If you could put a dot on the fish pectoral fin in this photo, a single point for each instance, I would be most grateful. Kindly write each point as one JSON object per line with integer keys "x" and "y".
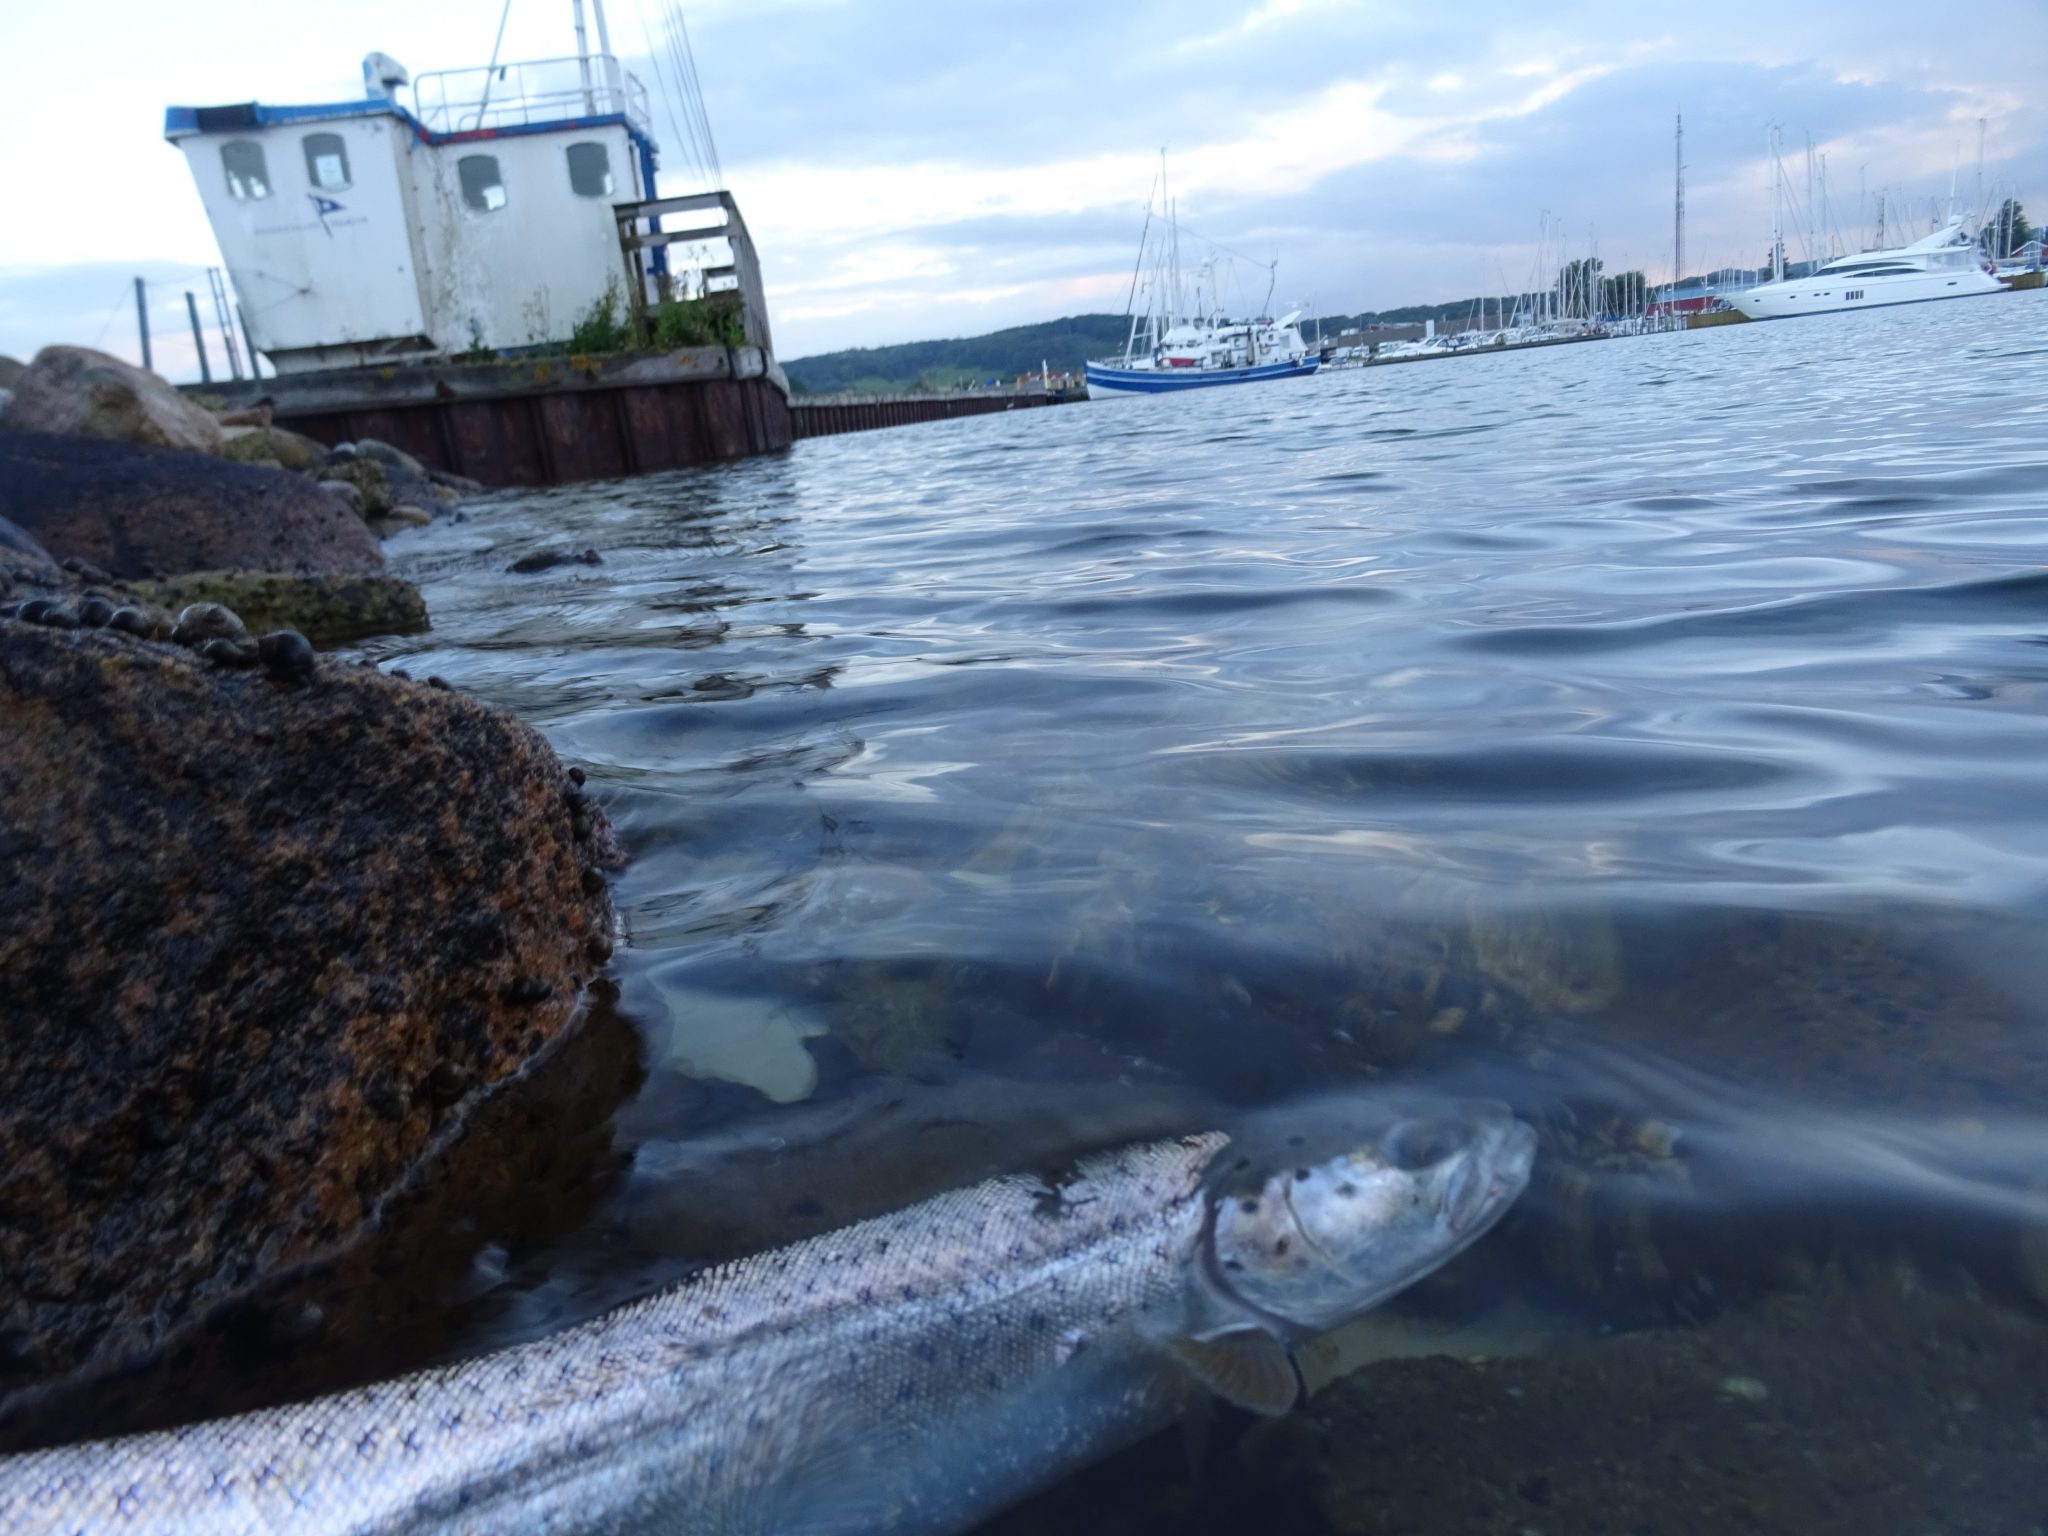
{"x": 1246, "y": 1366}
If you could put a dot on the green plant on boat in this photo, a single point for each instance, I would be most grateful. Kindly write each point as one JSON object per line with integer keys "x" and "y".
{"x": 476, "y": 351}
{"x": 605, "y": 326}
{"x": 705, "y": 322}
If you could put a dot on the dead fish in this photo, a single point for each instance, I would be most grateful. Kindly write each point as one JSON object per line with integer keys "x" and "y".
{"x": 913, "y": 1373}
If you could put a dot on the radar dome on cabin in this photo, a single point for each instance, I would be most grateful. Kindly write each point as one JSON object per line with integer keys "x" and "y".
{"x": 466, "y": 209}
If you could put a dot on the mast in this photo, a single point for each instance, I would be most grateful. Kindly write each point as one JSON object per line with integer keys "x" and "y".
{"x": 1172, "y": 246}
{"x": 1827, "y": 214}
{"x": 1980, "y": 171}
{"x": 1678, "y": 212}
{"x": 583, "y": 58}
{"x": 613, "y": 84}
{"x": 1812, "y": 208}
{"x": 1777, "y": 209}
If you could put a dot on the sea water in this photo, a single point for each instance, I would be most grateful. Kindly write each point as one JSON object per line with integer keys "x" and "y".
{"x": 1653, "y": 733}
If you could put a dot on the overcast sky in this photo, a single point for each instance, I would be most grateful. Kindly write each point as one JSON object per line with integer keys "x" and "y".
{"x": 915, "y": 169}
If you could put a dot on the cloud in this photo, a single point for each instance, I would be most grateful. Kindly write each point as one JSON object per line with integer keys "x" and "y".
{"x": 1440, "y": 206}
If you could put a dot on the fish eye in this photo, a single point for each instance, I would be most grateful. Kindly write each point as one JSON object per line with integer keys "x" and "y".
{"x": 1423, "y": 1144}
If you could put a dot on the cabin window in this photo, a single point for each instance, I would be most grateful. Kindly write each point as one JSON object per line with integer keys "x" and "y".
{"x": 482, "y": 187}
{"x": 590, "y": 170}
{"x": 248, "y": 176}
{"x": 326, "y": 162}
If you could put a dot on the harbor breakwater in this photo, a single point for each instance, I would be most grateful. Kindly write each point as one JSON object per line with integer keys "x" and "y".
{"x": 556, "y": 419}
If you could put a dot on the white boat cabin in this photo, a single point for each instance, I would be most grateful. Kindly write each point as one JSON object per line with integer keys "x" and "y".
{"x": 467, "y": 210}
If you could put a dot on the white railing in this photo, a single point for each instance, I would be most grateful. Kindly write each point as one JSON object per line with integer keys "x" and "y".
{"x": 530, "y": 91}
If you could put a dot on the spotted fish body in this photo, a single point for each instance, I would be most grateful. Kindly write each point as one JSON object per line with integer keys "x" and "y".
{"x": 909, "y": 1374}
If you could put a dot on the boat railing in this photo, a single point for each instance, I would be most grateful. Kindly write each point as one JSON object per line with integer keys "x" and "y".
{"x": 704, "y": 251}
{"x": 529, "y": 91}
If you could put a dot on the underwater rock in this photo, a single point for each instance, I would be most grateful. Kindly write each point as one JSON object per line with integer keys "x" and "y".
{"x": 150, "y": 512}
{"x": 254, "y": 923}
{"x": 548, "y": 559}
{"x": 327, "y": 610}
{"x": 76, "y": 390}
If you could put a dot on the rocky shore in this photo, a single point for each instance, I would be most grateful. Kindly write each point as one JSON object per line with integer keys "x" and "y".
{"x": 272, "y": 925}
{"x": 122, "y": 480}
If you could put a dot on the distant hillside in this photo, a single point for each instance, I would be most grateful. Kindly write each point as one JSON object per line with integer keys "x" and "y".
{"x": 1063, "y": 345}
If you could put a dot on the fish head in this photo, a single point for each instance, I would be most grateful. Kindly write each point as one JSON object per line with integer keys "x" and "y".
{"x": 1319, "y": 1211}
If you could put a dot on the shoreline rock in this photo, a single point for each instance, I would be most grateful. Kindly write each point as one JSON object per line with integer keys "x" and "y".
{"x": 76, "y": 390}
{"x": 146, "y": 512}
{"x": 271, "y": 927}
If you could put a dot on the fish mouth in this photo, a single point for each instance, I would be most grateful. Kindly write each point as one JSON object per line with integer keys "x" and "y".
{"x": 1487, "y": 1183}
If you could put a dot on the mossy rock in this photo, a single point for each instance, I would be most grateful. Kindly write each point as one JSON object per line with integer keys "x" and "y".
{"x": 272, "y": 445}
{"x": 327, "y": 610}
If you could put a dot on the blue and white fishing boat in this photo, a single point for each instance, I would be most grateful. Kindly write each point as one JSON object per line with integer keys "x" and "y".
{"x": 1217, "y": 352}
{"x": 1167, "y": 353}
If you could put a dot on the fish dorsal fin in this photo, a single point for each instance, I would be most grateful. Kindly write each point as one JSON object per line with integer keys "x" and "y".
{"x": 1246, "y": 1366}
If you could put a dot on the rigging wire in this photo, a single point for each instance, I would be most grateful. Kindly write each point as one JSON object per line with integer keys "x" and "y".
{"x": 697, "y": 91}
{"x": 695, "y": 87}
{"x": 1130, "y": 300}
{"x": 677, "y": 71}
{"x": 669, "y": 91}
{"x": 127, "y": 298}
{"x": 675, "y": 64}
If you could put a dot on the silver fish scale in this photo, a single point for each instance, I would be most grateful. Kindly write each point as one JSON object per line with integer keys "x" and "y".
{"x": 906, "y": 1374}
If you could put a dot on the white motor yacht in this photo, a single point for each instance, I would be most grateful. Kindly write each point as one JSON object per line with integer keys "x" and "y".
{"x": 1944, "y": 265}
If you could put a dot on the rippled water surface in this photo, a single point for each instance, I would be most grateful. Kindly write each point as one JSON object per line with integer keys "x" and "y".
{"x": 1651, "y": 733}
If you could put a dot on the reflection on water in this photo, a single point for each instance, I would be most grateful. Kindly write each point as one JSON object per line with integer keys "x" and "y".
{"x": 1647, "y": 733}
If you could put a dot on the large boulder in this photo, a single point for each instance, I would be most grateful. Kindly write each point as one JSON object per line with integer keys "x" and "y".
{"x": 137, "y": 511}
{"x": 268, "y": 932}
{"x": 78, "y": 390}
{"x": 11, "y": 369}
